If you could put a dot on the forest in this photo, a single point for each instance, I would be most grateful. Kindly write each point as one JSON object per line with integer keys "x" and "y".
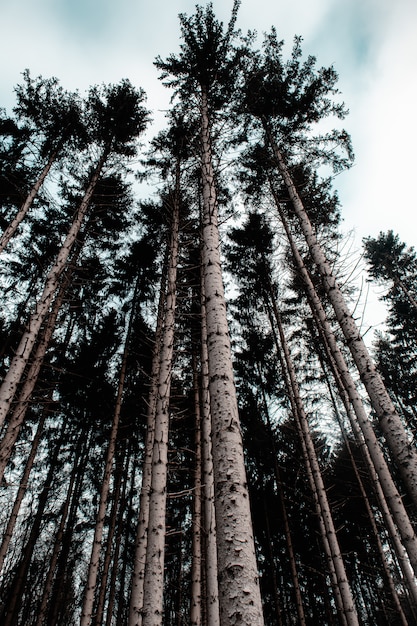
{"x": 194, "y": 430}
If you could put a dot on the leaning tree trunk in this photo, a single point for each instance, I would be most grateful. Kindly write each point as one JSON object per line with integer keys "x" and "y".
{"x": 11, "y": 524}
{"x": 21, "y": 214}
{"x": 399, "y": 442}
{"x": 379, "y": 463}
{"x": 239, "y": 593}
{"x": 21, "y": 405}
{"x": 343, "y": 594}
{"x": 385, "y": 567}
{"x": 23, "y": 351}
{"x": 18, "y": 587}
{"x": 155, "y": 550}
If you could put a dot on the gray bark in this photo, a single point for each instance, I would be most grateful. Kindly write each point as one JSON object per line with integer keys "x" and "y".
{"x": 378, "y": 463}
{"x": 155, "y": 549}
{"x": 23, "y": 351}
{"x": 21, "y": 214}
{"x": 209, "y": 514}
{"x": 239, "y": 594}
{"x": 398, "y": 439}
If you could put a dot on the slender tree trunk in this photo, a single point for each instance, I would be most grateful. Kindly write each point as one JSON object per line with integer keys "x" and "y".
{"x": 385, "y": 567}
{"x": 11, "y": 524}
{"x": 12, "y": 227}
{"x": 136, "y": 599}
{"x": 57, "y": 598}
{"x": 287, "y": 529}
{"x": 209, "y": 514}
{"x": 379, "y": 463}
{"x": 399, "y": 549}
{"x": 11, "y": 609}
{"x": 19, "y": 362}
{"x": 195, "y": 612}
{"x": 19, "y": 412}
{"x": 87, "y": 611}
{"x": 397, "y": 438}
{"x": 47, "y": 592}
{"x": 239, "y": 593}
{"x": 399, "y": 283}
{"x": 98, "y": 618}
{"x": 155, "y": 550}
{"x": 343, "y": 594}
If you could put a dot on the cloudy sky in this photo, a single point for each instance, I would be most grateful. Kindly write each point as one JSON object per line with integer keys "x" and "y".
{"x": 371, "y": 43}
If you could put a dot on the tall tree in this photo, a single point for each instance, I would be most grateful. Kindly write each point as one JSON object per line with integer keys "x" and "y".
{"x": 206, "y": 69}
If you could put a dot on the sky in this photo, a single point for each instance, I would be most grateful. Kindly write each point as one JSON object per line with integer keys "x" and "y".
{"x": 371, "y": 43}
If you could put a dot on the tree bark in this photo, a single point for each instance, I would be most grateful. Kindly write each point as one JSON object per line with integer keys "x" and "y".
{"x": 11, "y": 524}
{"x": 19, "y": 362}
{"x": 343, "y": 594}
{"x": 239, "y": 593}
{"x": 21, "y": 214}
{"x": 87, "y": 610}
{"x": 209, "y": 513}
{"x": 195, "y": 611}
{"x": 379, "y": 463}
{"x": 136, "y": 598}
{"x": 397, "y": 438}
{"x": 19, "y": 412}
{"x": 155, "y": 550}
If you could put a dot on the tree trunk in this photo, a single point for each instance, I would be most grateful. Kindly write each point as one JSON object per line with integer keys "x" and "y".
{"x": 12, "y": 227}
{"x": 136, "y": 598}
{"x": 87, "y": 611}
{"x": 12, "y": 607}
{"x": 19, "y": 412}
{"x": 209, "y": 514}
{"x": 397, "y": 438}
{"x": 11, "y": 524}
{"x": 47, "y": 592}
{"x": 98, "y": 618}
{"x": 239, "y": 594}
{"x": 379, "y": 464}
{"x": 343, "y": 594}
{"x": 195, "y": 612}
{"x": 19, "y": 362}
{"x": 155, "y": 550}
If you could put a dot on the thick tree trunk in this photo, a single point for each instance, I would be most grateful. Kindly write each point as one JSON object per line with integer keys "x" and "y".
{"x": 19, "y": 217}
{"x": 397, "y": 438}
{"x": 23, "y": 351}
{"x": 239, "y": 594}
{"x": 379, "y": 463}
{"x": 155, "y": 550}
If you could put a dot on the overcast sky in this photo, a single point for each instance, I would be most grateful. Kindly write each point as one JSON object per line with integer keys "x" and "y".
{"x": 371, "y": 43}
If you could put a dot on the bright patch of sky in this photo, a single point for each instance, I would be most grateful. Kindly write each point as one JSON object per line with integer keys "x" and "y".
{"x": 371, "y": 43}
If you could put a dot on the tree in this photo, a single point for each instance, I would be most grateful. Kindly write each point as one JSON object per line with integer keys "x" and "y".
{"x": 206, "y": 68}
